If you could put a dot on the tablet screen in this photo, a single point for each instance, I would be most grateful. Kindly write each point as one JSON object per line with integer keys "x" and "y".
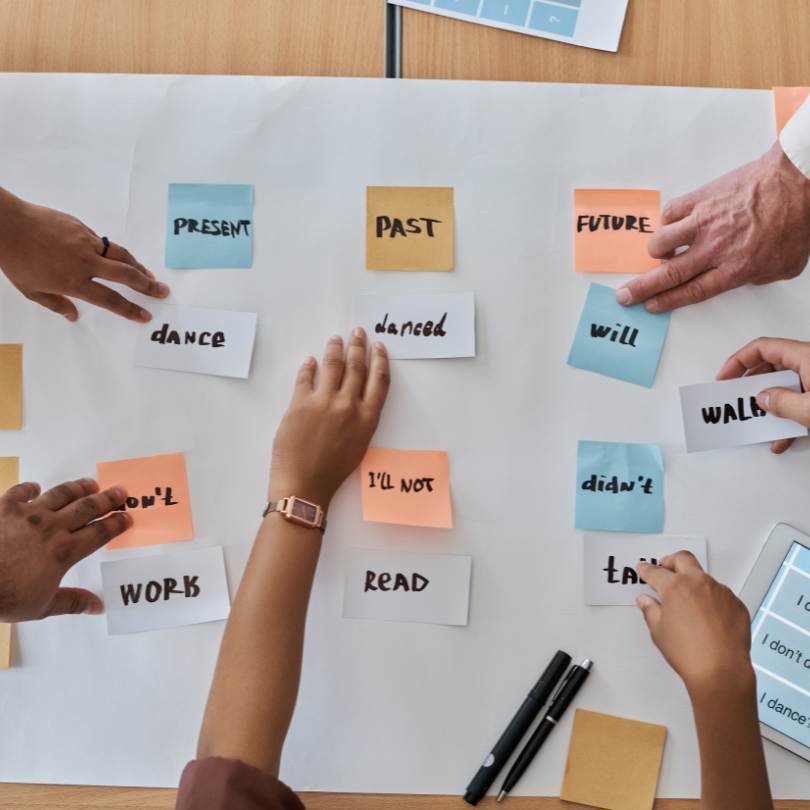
{"x": 780, "y": 648}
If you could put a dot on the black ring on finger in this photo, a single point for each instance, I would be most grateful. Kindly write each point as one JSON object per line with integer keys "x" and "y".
{"x": 106, "y": 245}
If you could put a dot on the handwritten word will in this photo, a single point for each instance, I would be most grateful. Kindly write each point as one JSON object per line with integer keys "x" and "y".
{"x": 627, "y": 338}
{"x": 382, "y": 480}
{"x": 601, "y": 483}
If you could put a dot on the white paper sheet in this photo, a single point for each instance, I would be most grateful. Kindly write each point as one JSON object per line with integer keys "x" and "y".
{"x": 726, "y": 414}
{"x": 423, "y": 326}
{"x": 610, "y": 561}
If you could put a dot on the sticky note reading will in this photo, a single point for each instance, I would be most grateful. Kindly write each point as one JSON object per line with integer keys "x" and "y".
{"x": 9, "y": 472}
{"x": 409, "y": 228}
{"x": 402, "y": 587}
{"x": 613, "y": 762}
{"x": 11, "y": 386}
{"x": 786, "y": 101}
{"x": 165, "y": 590}
{"x": 409, "y": 487}
{"x": 209, "y": 225}
{"x": 612, "y": 227}
{"x": 204, "y": 341}
{"x": 620, "y": 487}
{"x": 420, "y": 326}
{"x": 726, "y": 414}
{"x": 620, "y": 342}
{"x": 611, "y": 559}
{"x": 157, "y": 498}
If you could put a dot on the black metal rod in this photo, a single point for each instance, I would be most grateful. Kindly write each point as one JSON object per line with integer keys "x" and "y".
{"x": 393, "y": 41}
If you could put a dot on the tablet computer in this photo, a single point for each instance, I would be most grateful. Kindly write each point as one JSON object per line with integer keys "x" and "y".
{"x": 777, "y": 594}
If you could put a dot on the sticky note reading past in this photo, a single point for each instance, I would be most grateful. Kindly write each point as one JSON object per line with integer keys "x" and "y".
{"x": 209, "y": 225}
{"x": 613, "y": 762}
{"x": 620, "y": 342}
{"x": 409, "y": 487}
{"x": 786, "y": 101}
{"x": 620, "y": 487}
{"x": 157, "y": 498}
{"x": 11, "y": 386}
{"x": 612, "y": 227}
{"x": 9, "y": 472}
{"x": 409, "y": 228}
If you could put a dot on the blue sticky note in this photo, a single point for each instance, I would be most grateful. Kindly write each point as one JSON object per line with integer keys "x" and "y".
{"x": 461, "y": 6}
{"x": 209, "y": 225}
{"x": 617, "y": 341}
{"x": 513, "y": 12}
{"x": 554, "y": 19}
{"x": 620, "y": 487}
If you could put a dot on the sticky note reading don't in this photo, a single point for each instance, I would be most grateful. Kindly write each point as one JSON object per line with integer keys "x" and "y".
{"x": 209, "y": 225}
{"x": 612, "y": 227}
{"x": 409, "y": 487}
{"x": 157, "y": 498}
{"x": 11, "y": 386}
{"x": 786, "y": 101}
{"x": 409, "y": 228}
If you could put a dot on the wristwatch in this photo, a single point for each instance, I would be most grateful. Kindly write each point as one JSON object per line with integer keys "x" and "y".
{"x": 299, "y": 511}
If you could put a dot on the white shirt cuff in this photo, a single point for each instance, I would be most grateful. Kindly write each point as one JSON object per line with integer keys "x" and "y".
{"x": 795, "y": 139}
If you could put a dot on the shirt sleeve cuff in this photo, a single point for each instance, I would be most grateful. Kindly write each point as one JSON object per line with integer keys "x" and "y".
{"x": 795, "y": 139}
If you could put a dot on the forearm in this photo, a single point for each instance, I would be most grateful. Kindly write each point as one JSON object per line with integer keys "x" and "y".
{"x": 9, "y": 205}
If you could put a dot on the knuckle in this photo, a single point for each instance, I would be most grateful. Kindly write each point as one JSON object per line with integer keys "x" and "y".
{"x": 75, "y": 605}
{"x": 333, "y": 361}
{"x": 695, "y": 291}
{"x": 672, "y": 273}
{"x": 356, "y": 364}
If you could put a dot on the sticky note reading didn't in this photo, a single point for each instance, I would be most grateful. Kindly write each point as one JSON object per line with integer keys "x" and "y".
{"x": 786, "y": 101}
{"x": 157, "y": 498}
{"x": 613, "y": 763}
{"x": 409, "y": 228}
{"x": 612, "y": 227}
{"x": 11, "y": 386}
{"x": 408, "y": 487}
{"x": 9, "y": 472}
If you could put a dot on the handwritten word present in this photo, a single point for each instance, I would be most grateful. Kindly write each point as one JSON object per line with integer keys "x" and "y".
{"x": 212, "y": 227}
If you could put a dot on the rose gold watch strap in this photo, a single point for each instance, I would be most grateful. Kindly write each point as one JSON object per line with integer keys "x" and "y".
{"x": 281, "y": 504}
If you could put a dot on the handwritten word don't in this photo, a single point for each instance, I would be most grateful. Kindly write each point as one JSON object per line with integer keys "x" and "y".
{"x": 613, "y": 485}
{"x": 383, "y": 480}
{"x": 145, "y": 501}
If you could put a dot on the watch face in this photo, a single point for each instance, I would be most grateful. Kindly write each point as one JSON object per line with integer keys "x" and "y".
{"x": 305, "y": 511}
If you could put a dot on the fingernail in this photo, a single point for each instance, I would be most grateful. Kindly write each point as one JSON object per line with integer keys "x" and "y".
{"x": 94, "y": 608}
{"x": 71, "y": 316}
{"x": 118, "y": 494}
{"x": 641, "y": 600}
{"x": 358, "y": 332}
{"x": 380, "y": 347}
{"x": 336, "y": 339}
{"x": 163, "y": 289}
{"x": 652, "y": 305}
{"x": 87, "y": 482}
{"x": 624, "y": 296}
{"x": 145, "y": 316}
{"x": 763, "y": 400}
{"x": 309, "y": 361}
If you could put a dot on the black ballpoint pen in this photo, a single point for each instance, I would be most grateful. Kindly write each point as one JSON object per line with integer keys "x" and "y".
{"x": 559, "y": 703}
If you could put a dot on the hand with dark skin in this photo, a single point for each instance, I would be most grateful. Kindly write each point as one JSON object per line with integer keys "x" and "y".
{"x": 51, "y": 257}
{"x": 43, "y": 535}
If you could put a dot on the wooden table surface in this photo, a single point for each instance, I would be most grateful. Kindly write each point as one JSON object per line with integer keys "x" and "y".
{"x": 723, "y": 43}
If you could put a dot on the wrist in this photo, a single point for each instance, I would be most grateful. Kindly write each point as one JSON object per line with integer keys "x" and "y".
{"x": 789, "y": 171}
{"x": 307, "y": 491}
{"x": 734, "y": 682}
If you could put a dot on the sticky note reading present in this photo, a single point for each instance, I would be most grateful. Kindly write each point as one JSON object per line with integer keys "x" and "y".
{"x": 11, "y": 381}
{"x": 612, "y": 227}
{"x": 209, "y": 225}
{"x": 620, "y": 487}
{"x": 786, "y": 101}
{"x": 409, "y": 487}
{"x": 9, "y": 472}
{"x": 157, "y": 498}
{"x": 613, "y": 763}
{"x": 409, "y": 228}
{"x": 620, "y": 342}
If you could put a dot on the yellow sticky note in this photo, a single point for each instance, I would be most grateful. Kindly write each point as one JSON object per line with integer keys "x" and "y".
{"x": 9, "y": 472}
{"x": 409, "y": 487}
{"x": 786, "y": 100}
{"x": 157, "y": 498}
{"x": 612, "y": 227}
{"x": 613, "y": 763}
{"x": 409, "y": 228}
{"x": 5, "y": 645}
{"x": 11, "y": 378}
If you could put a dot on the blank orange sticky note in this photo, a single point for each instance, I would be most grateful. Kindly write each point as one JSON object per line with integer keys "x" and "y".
{"x": 157, "y": 498}
{"x": 409, "y": 487}
{"x": 11, "y": 382}
{"x": 612, "y": 227}
{"x": 786, "y": 100}
{"x": 9, "y": 472}
{"x": 5, "y": 645}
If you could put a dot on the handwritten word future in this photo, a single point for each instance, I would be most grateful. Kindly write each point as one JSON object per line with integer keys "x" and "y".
{"x": 609, "y": 222}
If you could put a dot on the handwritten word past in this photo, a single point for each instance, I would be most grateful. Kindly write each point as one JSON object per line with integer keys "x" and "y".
{"x": 395, "y": 227}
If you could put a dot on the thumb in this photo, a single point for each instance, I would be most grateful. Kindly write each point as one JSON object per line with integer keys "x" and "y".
{"x": 651, "y": 609}
{"x": 73, "y": 600}
{"x": 785, "y": 403}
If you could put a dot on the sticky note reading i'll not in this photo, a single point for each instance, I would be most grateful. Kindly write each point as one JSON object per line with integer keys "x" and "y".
{"x": 209, "y": 225}
{"x": 408, "y": 487}
{"x": 620, "y": 342}
{"x": 786, "y": 101}
{"x": 11, "y": 386}
{"x": 612, "y": 227}
{"x": 620, "y": 487}
{"x": 409, "y": 228}
{"x": 157, "y": 498}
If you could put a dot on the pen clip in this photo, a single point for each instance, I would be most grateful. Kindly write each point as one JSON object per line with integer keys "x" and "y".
{"x": 561, "y": 686}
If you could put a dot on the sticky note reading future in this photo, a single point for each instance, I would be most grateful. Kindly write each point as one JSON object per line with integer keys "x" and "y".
{"x": 11, "y": 386}
{"x": 401, "y": 587}
{"x": 620, "y": 487}
{"x": 409, "y": 228}
{"x": 157, "y": 498}
{"x": 726, "y": 414}
{"x": 9, "y": 472}
{"x": 620, "y": 342}
{"x": 204, "y": 341}
{"x": 209, "y": 225}
{"x": 165, "y": 590}
{"x": 610, "y": 564}
{"x": 612, "y": 227}
{"x": 409, "y": 487}
{"x": 420, "y": 326}
{"x": 613, "y": 762}
{"x": 786, "y": 101}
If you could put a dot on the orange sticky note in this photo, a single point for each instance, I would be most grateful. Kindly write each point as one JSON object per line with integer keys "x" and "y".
{"x": 409, "y": 487}
{"x": 157, "y": 498}
{"x": 9, "y": 472}
{"x": 11, "y": 379}
{"x": 5, "y": 645}
{"x": 612, "y": 227}
{"x": 786, "y": 100}
{"x": 409, "y": 228}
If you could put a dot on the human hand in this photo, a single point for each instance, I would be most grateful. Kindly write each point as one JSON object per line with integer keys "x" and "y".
{"x": 42, "y": 536}
{"x": 747, "y": 227}
{"x": 51, "y": 257}
{"x": 764, "y": 355}
{"x": 327, "y": 428}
